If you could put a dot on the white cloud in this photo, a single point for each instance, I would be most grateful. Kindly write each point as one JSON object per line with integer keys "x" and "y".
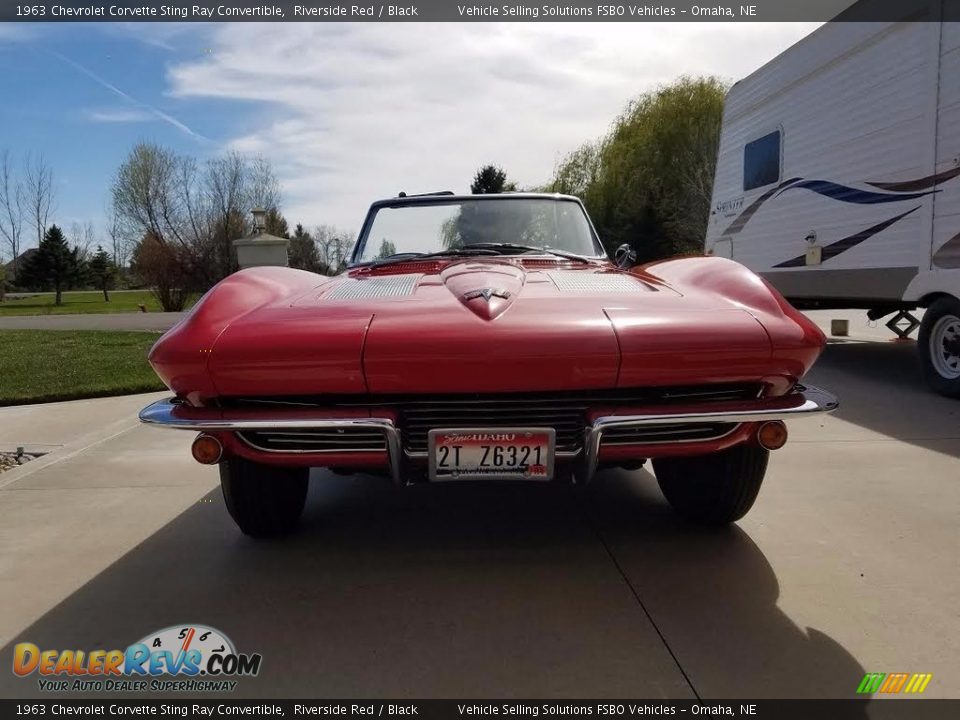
{"x": 358, "y": 112}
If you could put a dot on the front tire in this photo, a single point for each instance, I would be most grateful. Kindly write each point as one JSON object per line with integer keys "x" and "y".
{"x": 939, "y": 346}
{"x": 713, "y": 489}
{"x": 264, "y": 500}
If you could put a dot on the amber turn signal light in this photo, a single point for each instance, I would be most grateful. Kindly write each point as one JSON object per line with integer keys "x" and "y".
{"x": 772, "y": 435}
{"x": 206, "y": 449}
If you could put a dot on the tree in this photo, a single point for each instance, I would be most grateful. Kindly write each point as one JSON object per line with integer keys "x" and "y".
{"x": 333, "y": 246}
{"x": 304, "y": 253}
{"x": 54, "y": 265}
{"x": 197, "y": 210}
{"x": 276, "y": 224}
{"x": 11, "y": 207}
{"x": 84, "y": 236}
{"x": 38, "y": 193}
{"x": 159, "y": 266}
{"x": 491, "y": 179}
{"x": 3, "y": 279}
{"x": 102, "y": 271}
{"x": 578, "y": 171}
{"x": 387, "y": 249}
{"x": 118, "y": 237}
{"x": 648, "y": 181}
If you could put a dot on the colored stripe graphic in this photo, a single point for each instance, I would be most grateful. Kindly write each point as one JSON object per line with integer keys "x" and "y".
{"x": 893, "y": 683}
{"x": 918, "y": 682}
{"x": 744, "y": 217}
{"x": 835, "y": 191}
{"x": 919, "y": 184}
{"x": 844, "y": 244}
{"x": 871, "y": 683}
{"x": 903, "y": 190}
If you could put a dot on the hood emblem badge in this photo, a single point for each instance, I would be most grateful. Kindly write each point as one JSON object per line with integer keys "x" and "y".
{"x": 486, "y": 294}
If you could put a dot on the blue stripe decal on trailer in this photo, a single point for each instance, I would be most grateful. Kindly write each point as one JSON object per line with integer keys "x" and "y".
{"x": 835, "y": 248}
{"x": 744, "y": 217}
{"x": 835, "y": 191}
{"x": 903, "y": 190}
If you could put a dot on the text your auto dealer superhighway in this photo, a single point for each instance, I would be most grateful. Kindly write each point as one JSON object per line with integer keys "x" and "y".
{"x": 163, "y": 11}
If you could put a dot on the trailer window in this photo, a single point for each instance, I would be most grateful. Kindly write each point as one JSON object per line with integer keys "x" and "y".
{"x": 761, "y": 161}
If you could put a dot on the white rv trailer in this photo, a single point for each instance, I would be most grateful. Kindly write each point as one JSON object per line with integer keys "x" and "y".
{"x": 838, "y": 174}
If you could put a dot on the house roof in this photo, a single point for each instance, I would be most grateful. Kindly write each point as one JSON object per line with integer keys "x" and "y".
{"x": 20, "y": 259}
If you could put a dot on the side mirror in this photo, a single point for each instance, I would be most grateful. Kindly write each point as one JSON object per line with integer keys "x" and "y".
{"x": 625, "y": 256}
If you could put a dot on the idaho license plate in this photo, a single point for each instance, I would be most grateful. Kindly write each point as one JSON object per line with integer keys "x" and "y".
{"x": 491, "y": 454}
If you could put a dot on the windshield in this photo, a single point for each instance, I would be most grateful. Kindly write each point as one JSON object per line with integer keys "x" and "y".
{"x": 419, "y": 228}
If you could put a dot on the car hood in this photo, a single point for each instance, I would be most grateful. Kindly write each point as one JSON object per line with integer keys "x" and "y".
{"x": 488, "y": 325}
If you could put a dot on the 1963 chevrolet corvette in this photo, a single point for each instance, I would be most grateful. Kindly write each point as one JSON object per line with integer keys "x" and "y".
{"x": 488, "y": 338}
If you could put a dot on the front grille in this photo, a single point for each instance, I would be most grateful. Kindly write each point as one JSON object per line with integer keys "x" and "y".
{"x": 316, "y": 440}
{"x": 565, "y": 412}
{"x": 566, "y": 418}
{"x": 665, "y": 433}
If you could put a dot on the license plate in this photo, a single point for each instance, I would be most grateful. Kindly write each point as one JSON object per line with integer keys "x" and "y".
{"x": 491, "y": 454}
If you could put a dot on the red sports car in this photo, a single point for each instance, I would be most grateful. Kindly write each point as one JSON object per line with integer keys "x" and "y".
{"x": 488, "y": 337}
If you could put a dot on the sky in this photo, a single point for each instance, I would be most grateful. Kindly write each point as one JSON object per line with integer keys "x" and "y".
{"x": 346, "y": 113}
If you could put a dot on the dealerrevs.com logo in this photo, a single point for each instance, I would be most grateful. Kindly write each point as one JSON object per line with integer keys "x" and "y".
{"x": 181, "y": 658}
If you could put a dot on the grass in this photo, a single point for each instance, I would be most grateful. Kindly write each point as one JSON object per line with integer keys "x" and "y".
{"x": 50, "y": 365}
{"x": 84, "y": 302}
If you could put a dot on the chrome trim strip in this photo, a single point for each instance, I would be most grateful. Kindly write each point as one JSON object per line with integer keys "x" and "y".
{"x": 804, "y": 401}
{"x": 621, "y": 443}
{"x": 317, "y": 451}
{"x": 174, "y": 415}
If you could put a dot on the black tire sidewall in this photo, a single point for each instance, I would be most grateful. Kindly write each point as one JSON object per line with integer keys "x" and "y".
{"x": 263, "y": 500}
{"x": 713, "y": 489}
{"x": 938, "y": 309}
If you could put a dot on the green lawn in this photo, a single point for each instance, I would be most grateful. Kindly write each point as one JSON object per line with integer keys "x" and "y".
{"x": 80, "y": 303}
{"x": 48, "y": 365}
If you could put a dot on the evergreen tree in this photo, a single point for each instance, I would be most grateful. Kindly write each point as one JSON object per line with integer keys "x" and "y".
{"x": 387, "y": 249}
{"x": 102, "y": 271}
{"x": 491, "y": 179}
{"x": 276, "y": 224}
{"x": 303, "y": 252}
{"x": 54, "y": 265}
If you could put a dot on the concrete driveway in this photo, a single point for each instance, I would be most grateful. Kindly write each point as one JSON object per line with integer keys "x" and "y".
{"x": 846, "y": 564}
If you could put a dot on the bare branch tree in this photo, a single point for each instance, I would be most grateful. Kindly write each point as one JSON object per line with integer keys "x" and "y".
{"x": 196, "y": 211}
{"x": 226, "y": 182}
{"x": 38, "y": 192}
{"x": 11, "y": 207}
{"x": 264, "y": 188}
{"x": 118, "y": 236}
{"x": 84, "y": 237}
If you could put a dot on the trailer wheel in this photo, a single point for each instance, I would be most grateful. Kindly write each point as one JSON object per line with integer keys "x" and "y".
{"x": 939, "y": 346}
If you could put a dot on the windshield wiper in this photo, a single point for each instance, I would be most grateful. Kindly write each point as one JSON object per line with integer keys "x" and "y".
{"x": 531, "y": 248}
{"x": 402, "y": 257}
{"x": 490, "y": 248}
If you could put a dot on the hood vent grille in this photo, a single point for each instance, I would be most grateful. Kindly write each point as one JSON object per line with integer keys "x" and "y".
{"x": 378, "y": 287}
{"x": 596, "y": 282}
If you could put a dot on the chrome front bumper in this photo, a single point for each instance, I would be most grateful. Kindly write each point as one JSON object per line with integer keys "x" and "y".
{"x": 804, "y": 401}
